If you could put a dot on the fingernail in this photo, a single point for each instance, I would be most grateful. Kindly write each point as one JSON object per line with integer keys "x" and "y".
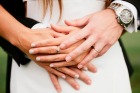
{"x": 85, "y": 68}
{"x": 58, "y": 90}
{"x": 31, "y": 51}
{"x": 76, "y": 76}
{"x": 33, "y": 45}
{"x": 62, "y": 46}
{"x": 94, "y": 70}
{"x": 80, "y": 66}
{"x": 64, "y": 77}
{"x": 89, "y": 82}
{"x": 68, "y": 58}
{"x": 77, "y": 87}
{"x": 37, "y": 59}
{"x": 51, "y": 65}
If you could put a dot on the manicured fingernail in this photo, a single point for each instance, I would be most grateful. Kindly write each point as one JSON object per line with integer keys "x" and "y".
{"x": 31, "y": 51}
{"x": 85, "y": 68}
{"x": 77, "y": 87}
{"x": 62, "y": 46}
{"x": 80, "y": 66}
{"x": 51, "y": 65}
{"x": 64, "y": 77}
{"x": 33, "y": 45}
{"x": 76, "y": 76}
{"x": 38, "y": 59}
{"x": 89, "y": 82}
{"x": 68, "y": 58}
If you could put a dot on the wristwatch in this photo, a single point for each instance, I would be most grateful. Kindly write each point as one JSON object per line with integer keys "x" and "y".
{"x": 123, "y": 14}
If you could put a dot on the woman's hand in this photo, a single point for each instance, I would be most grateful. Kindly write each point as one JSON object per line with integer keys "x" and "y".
{"x": 82, "y": 76}
{"x": 101, "y": 30}
{"x": 63, "y": 72}
{"x": 42, "y": 46}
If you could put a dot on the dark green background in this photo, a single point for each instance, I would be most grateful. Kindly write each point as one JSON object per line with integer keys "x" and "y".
{"x": 132, "y": 44}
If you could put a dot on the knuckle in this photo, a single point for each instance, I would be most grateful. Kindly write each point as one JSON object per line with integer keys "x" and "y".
{"x": 100, "y": 54}
{"x": 84, "y": 48}
{"x": 77, "y": 38}
{"x": 51, "y": 50}
{"x": 57, "y": 58}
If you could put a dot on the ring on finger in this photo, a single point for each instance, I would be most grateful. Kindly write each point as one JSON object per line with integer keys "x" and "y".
{"x": 58, "y": 50}
{"x": 95, "y": 49}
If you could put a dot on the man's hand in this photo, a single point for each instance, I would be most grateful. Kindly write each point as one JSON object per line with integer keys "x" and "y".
{"x": 100, "y": 31}
{"x": 43, "y": 47}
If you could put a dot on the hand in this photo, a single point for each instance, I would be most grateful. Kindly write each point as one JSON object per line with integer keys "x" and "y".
{"x": 41, "y": 47}
{"x": 101, "y": 30}
{"x": 38, "y": 35}
{"x": 70, "y": 80}
{"x": 32, "y": 36}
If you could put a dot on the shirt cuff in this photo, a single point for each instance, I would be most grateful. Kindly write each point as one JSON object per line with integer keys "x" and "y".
{"x": 133, "y": 26}
{"x": 40, "y": 25}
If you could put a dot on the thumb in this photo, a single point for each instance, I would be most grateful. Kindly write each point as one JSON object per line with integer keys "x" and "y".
{"x": 61, "y": 29}
{"x": 57, "y": 34}
{"x": 78, "y": 22}
{"x": 48, "y": 42}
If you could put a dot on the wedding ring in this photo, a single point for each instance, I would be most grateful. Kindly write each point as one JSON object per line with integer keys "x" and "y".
{"x": 95, "y": 49}
{"x": 58, "y": 50}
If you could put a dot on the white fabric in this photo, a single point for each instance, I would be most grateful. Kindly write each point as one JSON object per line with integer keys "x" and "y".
{"x": 112, "y": 75}
{"x": 40, "y": 25}
{"x": 133, "y": 27}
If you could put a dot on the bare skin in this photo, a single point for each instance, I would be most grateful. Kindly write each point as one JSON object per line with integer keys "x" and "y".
{"x": 101, "y": 30}
{"x": 24, "y": 34}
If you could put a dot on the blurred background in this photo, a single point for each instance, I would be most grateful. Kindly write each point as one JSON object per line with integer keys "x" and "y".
{"x": 132, "y": 45}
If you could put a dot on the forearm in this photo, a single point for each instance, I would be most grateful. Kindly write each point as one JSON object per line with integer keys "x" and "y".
{"x": 10, "y": 28}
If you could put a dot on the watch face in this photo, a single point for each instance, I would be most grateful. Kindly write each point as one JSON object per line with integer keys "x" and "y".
{"x": 126, "y": 16}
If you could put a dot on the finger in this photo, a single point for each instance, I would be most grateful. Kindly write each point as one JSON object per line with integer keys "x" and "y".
{"x": 45, "y": 50}
{"x": 73, "y": 39}
{"x": 63, "y": 64}
{"x": 101, "y": 44}
{"x": 47, "y": 42}
{"x": 72, "y": 82}
{"x": 55, "y": 82}
{"x": 77, "y": 22}
{"x": 85, "y": 68}
{"x": 55, "y": 72}
{"x": 91, "y": 67}
{"x": 51, "y": 58}
{"x": 82, "y": 76}
{"x": 56, "y": 34}
{"x": 68, "y": 71}
{"x": 61, "y": 29}
{"x": 85, "y": 46}
{"x": 104, "y": 50}
{"x": 88, "y": 58}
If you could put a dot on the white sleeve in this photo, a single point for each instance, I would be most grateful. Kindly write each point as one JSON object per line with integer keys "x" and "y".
{"x": 133, "y": 27}
{"x": 24, "y": 0}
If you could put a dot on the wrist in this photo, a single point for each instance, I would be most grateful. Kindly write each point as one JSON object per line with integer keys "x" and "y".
{"x": 124, "y": 15}
{"x": 20, "y": 38}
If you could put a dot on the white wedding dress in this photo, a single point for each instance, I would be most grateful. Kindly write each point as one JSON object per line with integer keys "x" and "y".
{"x": 112, "y": 75}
